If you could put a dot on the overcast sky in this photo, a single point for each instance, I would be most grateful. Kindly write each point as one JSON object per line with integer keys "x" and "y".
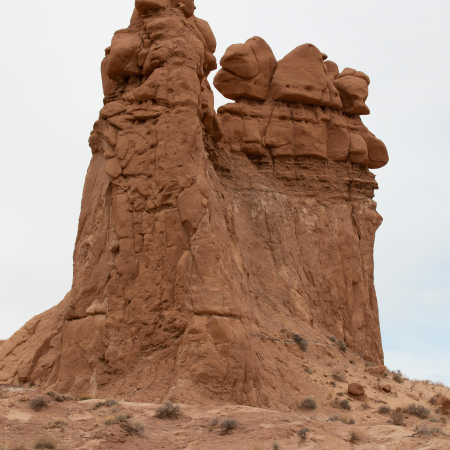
{"x": 51, "y": 94}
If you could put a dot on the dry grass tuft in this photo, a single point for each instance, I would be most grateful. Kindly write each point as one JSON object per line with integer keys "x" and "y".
{"x": 339, "y": 376}
{"x": 309, "y": 403}
{"x": 168, "y": 411}
{"x": 384, "y": 410}
{"x": 355, "y": 436}
{"x": 418, "y": 410}
{"x": 397, "y": 418}
{"x": 342, "y": 346}
{"x": 45, "y": 442}
{"x": 229, "y": 425}
{"x": 303, "y": 433}
{"x": 302, "y": 343}
{"x": 38, "y": 404}
{"x": 57, "y": 423}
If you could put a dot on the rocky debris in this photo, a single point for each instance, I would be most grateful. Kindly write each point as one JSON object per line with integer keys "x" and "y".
{"x": 387, "y": 388}
{"x": 206, "y": 240}
{"x": 446, "y": 406}
{"x": 376, "y": 370}
{"x": 356, "y": 389}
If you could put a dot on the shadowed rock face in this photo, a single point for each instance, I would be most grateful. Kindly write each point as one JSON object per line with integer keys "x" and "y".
{"x": 205, "y": 241}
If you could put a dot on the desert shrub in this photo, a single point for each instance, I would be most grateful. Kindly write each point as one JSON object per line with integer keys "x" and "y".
{"x": 433, "y": 400}
{"x": 397, "y": 377}
{"x": 384, "y": 410}
{"x": 333, "y": 383}
{"x": 116, "y": 418}
{"x": 45, "y": 443}
{"x": 331, "y": 338}
{"x": 385, "y": 374}
{"x": 57, "y": 423}
{"x": 341, "y": 394}
{"x": 365, "y": 406}
{"x": 338, "y": 376}
{"x": 138, "y": 428}
{"x": 276, "y": 446}
{"x": 424, "y": 430}
{"x": 84, "y": 397}
{"x": 302, "y": 343}
{"x": 168, "y": 411}
{"x": 38, "y": 404}
{"x": 434, "y": 419}
{"x": 418, "y": 410}
{"x": 339, "y": 418}
{"x": 397, "y": 418}
{"x": 213, "y": 424}
{"x": 308, "y": 371}
{"x": 303, "y": 433}
{"x": 341, "y": 345}
{"x": 309, "y": 403}
{"x": 107, "y": 403}
{"x": 345, "y": 404}
{"x": 227, "y": 426}
{"x": 355, "y": 436}
{"x": 58, "y": 398}
{"x": 111, "y": 402}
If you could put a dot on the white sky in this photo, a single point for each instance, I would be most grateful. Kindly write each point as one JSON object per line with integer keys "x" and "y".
{"x": 51, "y": 94}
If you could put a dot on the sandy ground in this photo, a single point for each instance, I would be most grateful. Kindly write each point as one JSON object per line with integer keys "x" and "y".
{"x": 259, "y": 429}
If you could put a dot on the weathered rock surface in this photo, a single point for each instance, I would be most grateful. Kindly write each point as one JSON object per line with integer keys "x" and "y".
{"x": 446, "y": 406}
{"x": 356, "y": 389}
{"x": 205, "y": 241}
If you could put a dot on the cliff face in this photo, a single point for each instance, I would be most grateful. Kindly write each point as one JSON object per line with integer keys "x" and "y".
{"x": 206, "y": 241}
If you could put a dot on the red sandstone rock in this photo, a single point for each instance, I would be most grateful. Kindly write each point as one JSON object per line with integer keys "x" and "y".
{"x": 191, "y": 247}
{"x": 240, "y": 60}
{"x": 446, "y": 406}
{"x": 387, "y": 388}
{"x": 356, "y": 389}
{"x": 256, "y": 88}
{"x": 143, "y": 6}
{"x": 353, "y": 88}
{"x": 375, "y": 370}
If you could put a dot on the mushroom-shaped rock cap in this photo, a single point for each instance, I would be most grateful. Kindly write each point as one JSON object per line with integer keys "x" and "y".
{"x": 240, "y": 60}
{"x": 300, "y": 76}
{"x": 353, "y": 88}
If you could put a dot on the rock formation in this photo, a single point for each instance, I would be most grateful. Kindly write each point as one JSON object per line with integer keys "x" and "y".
{"x": 207, "y": 241}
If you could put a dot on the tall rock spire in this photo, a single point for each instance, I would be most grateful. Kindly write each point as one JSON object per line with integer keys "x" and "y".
{"x": 206, "y": 242}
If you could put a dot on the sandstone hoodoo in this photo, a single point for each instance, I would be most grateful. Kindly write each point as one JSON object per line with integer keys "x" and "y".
{"x": 207, "y": 241}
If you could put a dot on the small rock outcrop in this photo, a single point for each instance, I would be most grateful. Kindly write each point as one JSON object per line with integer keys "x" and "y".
{"x": 206, "y": 241}
{"x": 356, "y": 389}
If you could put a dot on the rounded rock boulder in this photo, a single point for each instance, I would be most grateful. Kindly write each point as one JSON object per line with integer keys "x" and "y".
{"x": 355, "y": 389}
